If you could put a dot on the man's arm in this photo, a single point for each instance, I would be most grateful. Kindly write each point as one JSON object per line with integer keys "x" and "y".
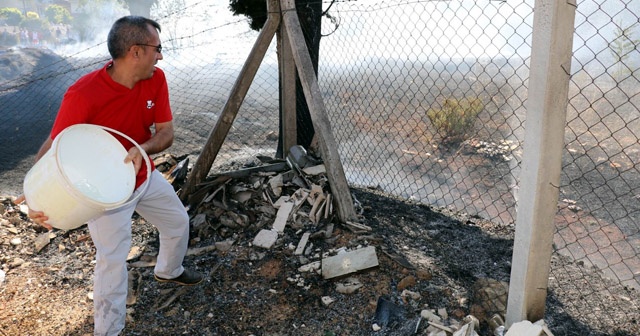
{"x": 161, "y": 140}
{"x": 44, "y": 148}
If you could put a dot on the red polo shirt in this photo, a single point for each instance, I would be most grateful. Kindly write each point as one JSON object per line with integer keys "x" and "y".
{"x": 96, "y": 99}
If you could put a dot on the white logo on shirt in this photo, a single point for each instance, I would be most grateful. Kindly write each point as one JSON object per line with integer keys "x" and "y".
{"x": 150, "y": 104}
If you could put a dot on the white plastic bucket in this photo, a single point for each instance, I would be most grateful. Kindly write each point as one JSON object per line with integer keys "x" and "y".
{"x": 81, "y": 176}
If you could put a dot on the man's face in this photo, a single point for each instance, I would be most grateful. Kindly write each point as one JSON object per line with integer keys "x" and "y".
{"x": 150, "y": 55}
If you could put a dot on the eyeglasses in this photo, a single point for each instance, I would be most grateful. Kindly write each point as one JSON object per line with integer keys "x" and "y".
{"x": 158, "y": 47}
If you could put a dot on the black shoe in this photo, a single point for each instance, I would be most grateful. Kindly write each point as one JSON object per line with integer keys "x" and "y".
{"x": 187, "y": 278}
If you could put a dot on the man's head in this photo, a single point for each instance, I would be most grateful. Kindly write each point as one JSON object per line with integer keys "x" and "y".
{"x": 130, "y": 31}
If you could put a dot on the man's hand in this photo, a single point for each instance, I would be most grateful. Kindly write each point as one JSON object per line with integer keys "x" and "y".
{"x": 134, "y": 156}
{"x": 37, "y": 217}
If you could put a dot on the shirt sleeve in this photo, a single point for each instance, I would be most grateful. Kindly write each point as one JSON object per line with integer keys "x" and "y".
{"x": 163, "y": 112}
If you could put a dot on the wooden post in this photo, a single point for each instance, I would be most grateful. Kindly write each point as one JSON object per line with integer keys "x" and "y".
{"x": 238, "y": 92}
{"x": 553, "y": 29}
{"x": 287, "y": 69}
{"x": 313, "y": 96}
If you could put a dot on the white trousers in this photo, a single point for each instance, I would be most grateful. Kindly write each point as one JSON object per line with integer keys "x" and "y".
{"x": 111, "y": 235}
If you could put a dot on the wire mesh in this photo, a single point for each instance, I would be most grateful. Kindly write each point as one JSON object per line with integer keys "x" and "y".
{"x": 384, "y": 68}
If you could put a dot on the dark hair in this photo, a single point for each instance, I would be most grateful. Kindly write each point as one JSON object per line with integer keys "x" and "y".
{"x": 128, "y": 31}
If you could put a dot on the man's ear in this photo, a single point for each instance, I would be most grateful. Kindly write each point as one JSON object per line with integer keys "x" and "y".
{"x": 134, "y": 50}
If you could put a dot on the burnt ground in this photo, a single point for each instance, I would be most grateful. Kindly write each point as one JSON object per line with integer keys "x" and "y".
{"x": 428, "y": 260}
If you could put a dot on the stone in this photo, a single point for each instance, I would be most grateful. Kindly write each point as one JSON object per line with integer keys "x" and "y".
{"x": 348, "y": 286}
{"x": 327, "y": 300}
{"x": 41, "y": 241}
{"x": 315, "y": 170}
{"x": 225, "y": 245}
{"x": 406, "y": 282}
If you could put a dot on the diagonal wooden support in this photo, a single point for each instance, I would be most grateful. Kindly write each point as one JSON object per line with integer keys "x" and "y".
{"x": 230, "y": 111}
{"x": 292, "y": 44}
{"x": 328, "y": 145}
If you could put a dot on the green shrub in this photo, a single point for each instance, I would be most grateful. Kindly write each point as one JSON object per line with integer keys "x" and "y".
{"x": 456, "y": 118}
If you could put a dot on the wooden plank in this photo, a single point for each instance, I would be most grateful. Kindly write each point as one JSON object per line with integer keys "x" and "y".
{"x": 282, "y": 216}
{"x": 313, "y": 96}
{"x": 302, "y": 243}
{"x": 245, "y": 172}
{"x": 287, "y": 69}
{"x": 542, "y": 158}
{"x": 238, "y": 92}
{"x": 349, "y": 262}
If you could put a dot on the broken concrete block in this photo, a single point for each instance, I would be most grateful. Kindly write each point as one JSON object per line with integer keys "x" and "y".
{"x": 276, "y": 185}
{"x": 438, "y": 333}
{"x": 314, "y": 266}
{"x": 466, "y": 330}
{"x": 301, "y": 244}
{"x": 439, "y": 326}
{"x": 280, "y": 201}
{"x": 265, "y": 238}
{"x": 315, "y": 170}
{"x": 525, "y": 328}
{"x": 349, "y": 262}
{"x": 282, "y": 216}
{"x": 429, "y": 315}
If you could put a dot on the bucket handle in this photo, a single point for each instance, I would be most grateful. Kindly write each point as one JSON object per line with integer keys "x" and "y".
{"x": 145, "y": 157}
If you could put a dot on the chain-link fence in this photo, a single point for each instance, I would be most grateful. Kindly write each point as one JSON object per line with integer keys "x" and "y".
{"x": 390, "y": 74}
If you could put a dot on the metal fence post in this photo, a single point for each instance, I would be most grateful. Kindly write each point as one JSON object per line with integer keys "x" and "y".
{"x": 553, "y": 30}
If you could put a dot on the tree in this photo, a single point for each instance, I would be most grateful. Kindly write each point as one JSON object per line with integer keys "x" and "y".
{"x": 309, "y": 14}
{"x": 57, "y": 14}
{"x": 33, "y": 23}
{"x": 623, "y": 46}
{"x": 11, "y": 16}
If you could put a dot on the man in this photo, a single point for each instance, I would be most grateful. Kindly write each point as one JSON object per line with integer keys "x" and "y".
{"x": 128, "y": 94}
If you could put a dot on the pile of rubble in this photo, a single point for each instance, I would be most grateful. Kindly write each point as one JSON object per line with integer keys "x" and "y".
{"x": 288, "y": 203}
{"x": 266, "y": 197}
